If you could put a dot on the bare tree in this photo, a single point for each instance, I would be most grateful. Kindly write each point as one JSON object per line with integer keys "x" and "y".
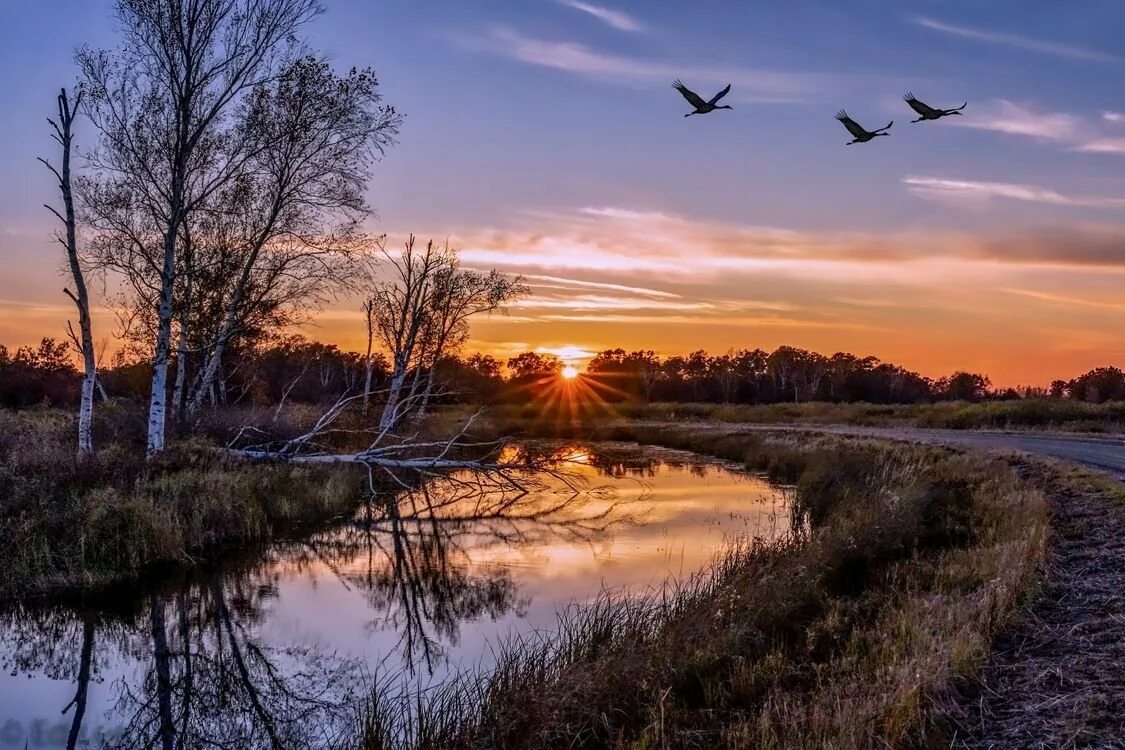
{"x": 163, "y": 104}
{"x": 422, "y": 312}
{"x": 459, "y": 295}
{"x": 298, "y": 209}
{"x": 84, "y": 341}
{"x": 401, "y": 308}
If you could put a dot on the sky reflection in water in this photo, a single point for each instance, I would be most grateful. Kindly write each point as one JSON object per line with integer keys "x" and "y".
{"x": 283, "y": 650}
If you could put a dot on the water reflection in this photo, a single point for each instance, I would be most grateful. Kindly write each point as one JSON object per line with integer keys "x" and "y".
{"x": 281, "y": 652}
{"x": 185, "y": 670}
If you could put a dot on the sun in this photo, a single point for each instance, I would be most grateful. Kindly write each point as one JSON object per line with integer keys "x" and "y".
{"x": 570, "y": 372}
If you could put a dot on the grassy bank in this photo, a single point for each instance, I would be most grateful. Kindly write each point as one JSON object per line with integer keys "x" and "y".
{"x": 78, "y": 524}
{"x": 1058, "y": 414}
{"x": 852, "y": 632}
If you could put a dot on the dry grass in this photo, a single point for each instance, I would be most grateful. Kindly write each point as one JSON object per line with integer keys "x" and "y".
{"x": 83, "y": 524}
{"x": 1034, "y": 413}
{"x": 851, "y": 633}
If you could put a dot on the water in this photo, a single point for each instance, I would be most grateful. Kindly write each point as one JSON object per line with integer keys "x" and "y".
{"x": 282, "y": 650}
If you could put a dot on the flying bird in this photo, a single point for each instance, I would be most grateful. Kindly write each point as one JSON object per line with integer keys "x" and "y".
{"x": 927, "y": 112}
{"x": 695, "y": 100}
{"x": 861, "y": 135}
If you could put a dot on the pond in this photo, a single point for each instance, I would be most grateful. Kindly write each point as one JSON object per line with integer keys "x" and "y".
{"x": 282, "y": 650}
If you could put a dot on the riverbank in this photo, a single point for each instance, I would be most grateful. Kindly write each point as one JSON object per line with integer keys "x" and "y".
{"x": 858, "y": 630}
{"x": 88, "y": 524}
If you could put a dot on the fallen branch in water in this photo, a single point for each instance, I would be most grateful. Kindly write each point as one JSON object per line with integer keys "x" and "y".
{"x": 393, "y": 454}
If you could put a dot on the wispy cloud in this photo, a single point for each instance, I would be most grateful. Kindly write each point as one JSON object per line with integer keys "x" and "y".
{"x": 1075, "y": 132}
{"x": 690, "y": 261}
{"x": 980, "y": 192}
{"x": 617, "y": 19}
{"x": 1015, "y": 40}
{"x": 1062, "y": 299}
{"x": 579, "y": 59}
{"x": 1014, "y": 118}
{"x": 1102, "y": 146}
{"x": 567, "y": 353}
{"x": 558, "y": 282}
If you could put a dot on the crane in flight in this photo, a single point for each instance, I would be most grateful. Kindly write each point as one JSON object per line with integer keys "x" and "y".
{"x": 926, "y": 112}
{"x": 859, "y": 134}
{"x": 695, "y": 100}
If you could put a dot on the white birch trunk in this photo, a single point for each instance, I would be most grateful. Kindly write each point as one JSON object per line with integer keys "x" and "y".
{"x": 157, "y": 405}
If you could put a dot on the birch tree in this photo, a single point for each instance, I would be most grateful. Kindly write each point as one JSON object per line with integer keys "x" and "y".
{"x": 163, "y": 103}
{"x": 317, "y": 134}
{"x": 63, "y": 133}
{"x": 422, "y": 313}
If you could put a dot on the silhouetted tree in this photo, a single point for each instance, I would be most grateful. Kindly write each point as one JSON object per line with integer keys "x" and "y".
{"x": 84, "y": 340}
{"x": 964, "y": 386}
{"x": 163, "y": 103}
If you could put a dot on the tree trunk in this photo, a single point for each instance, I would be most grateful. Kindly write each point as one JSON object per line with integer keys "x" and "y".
{"x": 64, "y": 134}
{"x": 157, "y": 405}
{"x": 161, "y": 658}
{"x": 178, "y": 394}
{"x": 369, "y": 365}
{"x": 389, "y": 417}
{"x": 79, "y": 701}
{"x": 421, "y": 413}
{"x": 215, "y": 359}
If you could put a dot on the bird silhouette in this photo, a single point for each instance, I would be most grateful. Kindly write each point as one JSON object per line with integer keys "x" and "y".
{"x": 927, "y": 112}
{"x": 861, "y": 135}
{"x": 695, "y": 100}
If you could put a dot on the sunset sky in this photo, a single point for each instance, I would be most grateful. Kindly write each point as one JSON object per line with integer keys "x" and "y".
{"x": 542, "y": 137}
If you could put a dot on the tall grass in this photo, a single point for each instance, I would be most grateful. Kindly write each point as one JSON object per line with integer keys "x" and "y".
{"x": 68, "y": 523}
{"x": 1063, "y": 414}
{"x": 852, "y": 632}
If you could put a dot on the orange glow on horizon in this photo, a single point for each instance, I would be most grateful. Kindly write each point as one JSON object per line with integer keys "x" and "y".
{"x": 570, "y": 372}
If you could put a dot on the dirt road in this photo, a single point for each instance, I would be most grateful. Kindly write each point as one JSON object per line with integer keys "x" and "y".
{"x": 1106, "y": 453}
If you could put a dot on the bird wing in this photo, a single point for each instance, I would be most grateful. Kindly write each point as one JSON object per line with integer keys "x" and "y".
{"x": 920, "y": 107}
{"x": 853, "y": 127}
{"x": 693, "y": 98}
{"x": 720, "y": 95}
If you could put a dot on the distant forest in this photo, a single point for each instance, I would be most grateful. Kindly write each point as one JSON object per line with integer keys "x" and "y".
{"x": 297, "y": 370}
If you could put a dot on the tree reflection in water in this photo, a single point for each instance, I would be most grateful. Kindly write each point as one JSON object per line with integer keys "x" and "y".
{"x": 189, "y": 666}
{"x": 413, "y": 556}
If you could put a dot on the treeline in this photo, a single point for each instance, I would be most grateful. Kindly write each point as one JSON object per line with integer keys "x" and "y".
{"x": 295, "y": 370}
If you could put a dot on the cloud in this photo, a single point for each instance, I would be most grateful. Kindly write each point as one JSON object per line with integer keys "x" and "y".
{"x": 676, "y": 255}
{"x": 1016, "y": 41}
{"x": 1102, "y": 146}
{"x": 606, "y": 302}
{"x": 615, "y": 18}
{"x": 1062, "y": 299}
{"x": 568, "y": 353}
{"x": 1075, "y": 132}
{"x": 981, "y": 192}
{"x": 579, "y": 59}
{"x": 1009, "y": 117}
{"x": 557, "y": 282}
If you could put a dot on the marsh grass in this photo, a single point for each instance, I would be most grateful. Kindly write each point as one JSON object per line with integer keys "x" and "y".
{"x": 70, "y": 524}
{"x": 1029, "y": 413}
{"x": 851, "y": 632}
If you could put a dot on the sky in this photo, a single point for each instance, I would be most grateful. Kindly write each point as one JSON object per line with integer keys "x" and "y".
{"x": 542, "y": 137}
